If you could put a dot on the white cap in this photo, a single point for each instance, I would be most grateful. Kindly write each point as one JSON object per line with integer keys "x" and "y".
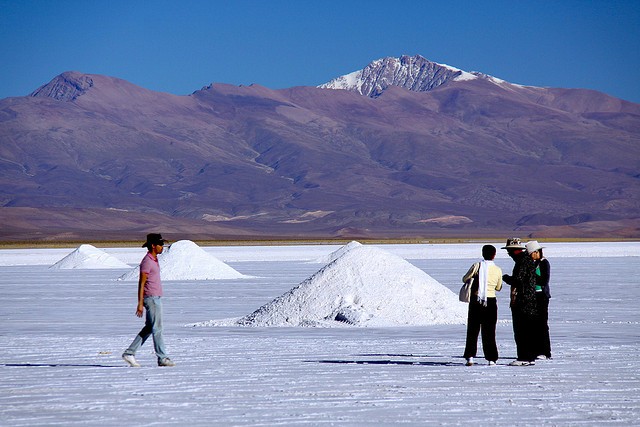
{"x": 533, "y": 246}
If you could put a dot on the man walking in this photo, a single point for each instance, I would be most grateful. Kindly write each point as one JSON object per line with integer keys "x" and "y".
{"x": 150, "y": 299}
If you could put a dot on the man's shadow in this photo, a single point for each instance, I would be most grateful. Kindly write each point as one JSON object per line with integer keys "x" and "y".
{"x": 396, "y": 362}
{"x": 56, "y": 365}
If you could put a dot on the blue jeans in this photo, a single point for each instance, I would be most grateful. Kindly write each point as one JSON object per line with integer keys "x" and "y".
{"x": 152, "y": 326}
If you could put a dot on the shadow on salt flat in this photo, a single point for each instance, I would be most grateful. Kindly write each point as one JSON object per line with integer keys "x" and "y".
{"x": 357, "y": 361}
{"x": 57, "y": 365}
{"x": 387, "y": 362}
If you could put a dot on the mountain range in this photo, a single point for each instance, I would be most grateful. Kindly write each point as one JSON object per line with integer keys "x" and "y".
{"x": 404, "y": 148}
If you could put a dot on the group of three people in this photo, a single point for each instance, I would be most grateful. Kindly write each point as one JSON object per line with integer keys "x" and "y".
{"x": 529, "y": 302}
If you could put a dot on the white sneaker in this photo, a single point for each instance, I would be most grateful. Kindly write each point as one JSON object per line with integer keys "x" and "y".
{"x": 165, "y": 362}
{"x": 131, "y": 360}
{"x": 469, "y": 361}
{"x": 542, "y": 357}
{"x": 492, "y": 363}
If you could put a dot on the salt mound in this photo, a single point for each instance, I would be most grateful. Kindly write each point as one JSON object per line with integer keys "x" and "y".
{"x": 337, "y": 254}
{"x": 366, "y": 286}
{"x": 185, "y": 260}
{"x": 88, "y": 257}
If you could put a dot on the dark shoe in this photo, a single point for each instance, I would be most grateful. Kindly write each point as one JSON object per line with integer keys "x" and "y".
{"x": 165, "y": 362}
{"x": 521, "y": 363}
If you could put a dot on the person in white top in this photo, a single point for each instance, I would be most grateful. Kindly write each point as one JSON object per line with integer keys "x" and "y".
{"x": 483, "y": 307}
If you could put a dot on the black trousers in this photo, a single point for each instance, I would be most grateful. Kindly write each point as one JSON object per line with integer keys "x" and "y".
{"x": 482, "y": 319}
{"x": 525, "y": 333}
{"x": 543, "y": 342}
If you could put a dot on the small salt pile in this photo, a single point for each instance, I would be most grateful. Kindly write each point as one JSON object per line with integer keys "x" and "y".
{"x": 185, "y": 260}
{"x": 366, "y": 286}
{"x": 88, "y": 257}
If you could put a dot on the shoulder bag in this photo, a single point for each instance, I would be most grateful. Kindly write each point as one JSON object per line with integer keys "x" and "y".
{"x": 465, "y": 290}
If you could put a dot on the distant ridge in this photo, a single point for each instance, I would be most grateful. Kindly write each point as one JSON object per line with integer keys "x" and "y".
{"x": 407, "y": 149}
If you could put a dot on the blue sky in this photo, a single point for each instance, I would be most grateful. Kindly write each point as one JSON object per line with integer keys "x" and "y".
{"x": 180, "y": 46}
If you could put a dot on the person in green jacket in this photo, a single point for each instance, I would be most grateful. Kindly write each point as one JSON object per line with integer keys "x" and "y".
{"x": 543, "y": 295}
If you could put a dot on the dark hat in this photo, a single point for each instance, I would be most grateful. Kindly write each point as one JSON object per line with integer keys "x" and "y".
{"x": 154, "y": 239}
{"x": 513, "y": 243}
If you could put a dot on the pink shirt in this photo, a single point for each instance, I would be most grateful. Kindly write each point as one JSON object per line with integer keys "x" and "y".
{"x": 153, "y": 286}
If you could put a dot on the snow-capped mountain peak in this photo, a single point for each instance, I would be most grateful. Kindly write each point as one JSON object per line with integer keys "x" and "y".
{"x": 414, "y": 73}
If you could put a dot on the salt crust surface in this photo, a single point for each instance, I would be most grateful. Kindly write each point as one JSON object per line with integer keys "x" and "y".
{"x": 60, "y": 347}
{"x": 314, "y": 253}
{"x": 364, "y": 286}
{"x": 185, "y": 260}
{"x": 88, "y": 257}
